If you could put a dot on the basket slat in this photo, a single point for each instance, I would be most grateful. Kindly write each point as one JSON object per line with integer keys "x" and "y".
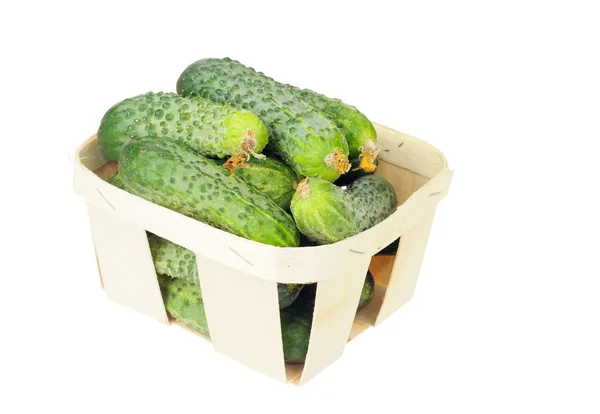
{"x": 243, "y": 316}
{"x": 335, "y": 308}
{"x": 406, "y": 268}
{"x": 125, "y": 263}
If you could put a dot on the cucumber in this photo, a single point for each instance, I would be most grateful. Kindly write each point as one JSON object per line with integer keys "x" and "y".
{"x": 211, "y": 129}
{"x": 296, "y": 323}
{"x": 116, "y": 181}
{"x": 355, "y": 172}
{"x": 183, "y": 301}
{"x": 367, "y": 291}
{"x": 178, "y": 262}
{"x": 356, "y": 128}
{"x": 171, "y": 174}
{"x": 299, "y": 134}
{"x": 271, "y": 177}
{"x": 173, "y": 260}
{"x": 325, "y": 213}
{"x": 288, "y": 293}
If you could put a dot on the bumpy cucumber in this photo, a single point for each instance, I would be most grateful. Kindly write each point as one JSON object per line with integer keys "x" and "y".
{"x": 356, "y": 128}
{"x": 367, "y": 291}
{"x": 183, "y": 301}
{"x": 211, "y": 129}
{"x": 172, "y": 175}
{"x": 299, "y": 134}
{"x": 272, "y": 177}
{"x": 325, "y": 213}
{"x": 173, "y": 260}
{"x": 296, "y": 322}
{"x": 116, "y": 181}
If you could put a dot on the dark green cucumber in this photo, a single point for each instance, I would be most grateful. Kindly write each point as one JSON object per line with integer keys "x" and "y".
{"x": 367, "y": 291}
{"x": 296, "y": 323}
{"x": 354, "y": 173}
{"x": 288, "y": 293}
{"x": 272, "y": 177}
{"x": 356, "y": 128}
{"x": 183, "y": 301}
{"x": 210, "y": 129}
{"x": 299, "y": 134}
{"x": 171, "y": 174}
{"x": 325, "y": 213}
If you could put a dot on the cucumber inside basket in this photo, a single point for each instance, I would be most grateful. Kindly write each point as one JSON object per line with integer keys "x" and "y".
{"x": 275, "y": 221}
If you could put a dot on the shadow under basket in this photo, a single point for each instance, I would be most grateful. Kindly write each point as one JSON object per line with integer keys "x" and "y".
{"x": 244, "y": 322}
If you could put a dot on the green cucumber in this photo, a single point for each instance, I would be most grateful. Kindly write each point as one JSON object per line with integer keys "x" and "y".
{"x": 173, "y": 260}
{"x": 171, "y": 174}
{"x": 271, "y": 177}
{"x": 299, "y": 134}
{"x": 367, "y": 291}
{"x": 356, "y": 128}
{"x": 296, "y": 323}
{"x": 116, "y": 181}
{"x": 355, "y": 172}
{"x": 183, "y": 302}
{"x": 325, "y": 213}
{"x": 210, "y": 129}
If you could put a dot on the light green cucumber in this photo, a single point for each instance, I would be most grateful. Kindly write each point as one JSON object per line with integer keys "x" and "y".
{"x": 173, "y": 260}
{"x": 171, "y": 174}
{"x": 211, "y": 129}
{"x": 325, "y": 213}
{"x": 302, "y": 136}
{"x": 356, "y": 127}
{"x": 116, "y": 181}
{"x": 183, "y": 301}
{"x": 272, "y": 177}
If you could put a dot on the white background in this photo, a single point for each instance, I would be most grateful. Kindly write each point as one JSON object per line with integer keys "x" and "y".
{"x": 506, "y": 315}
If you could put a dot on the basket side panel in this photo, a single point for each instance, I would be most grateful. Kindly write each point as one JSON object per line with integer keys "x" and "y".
{"x": 243, "y": 316}
{"x": 335, "y": 309}
{"x": 409, "y": 152}
{"x": 125, "y": 263}
{"x": 406, "y": 267}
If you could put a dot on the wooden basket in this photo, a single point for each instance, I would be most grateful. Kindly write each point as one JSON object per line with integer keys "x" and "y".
{"x": 244, "y": 324}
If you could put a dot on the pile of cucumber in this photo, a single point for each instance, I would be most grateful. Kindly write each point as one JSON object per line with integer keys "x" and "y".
{"x": 263, "y": 160}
